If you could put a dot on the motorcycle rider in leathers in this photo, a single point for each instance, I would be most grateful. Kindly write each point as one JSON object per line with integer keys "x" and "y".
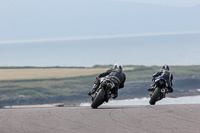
{"x": 166, "y": 74}
{"x": 116, "y": 75}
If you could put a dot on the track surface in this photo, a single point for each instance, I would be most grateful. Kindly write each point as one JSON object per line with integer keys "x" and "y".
{"x": 109, "y": 119}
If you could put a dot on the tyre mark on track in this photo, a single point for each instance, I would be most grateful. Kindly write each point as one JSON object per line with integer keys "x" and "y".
{"x": 178, "y": 115}
{"x": 86, "y": 125}
{"x": 175, "y": 114}
{"x": 37, "y": 121}
{"x": 5, "y": 114}
{"x": 22, "y": 124}
{"x": 133, "y": 122}
{"x": 138, "y": 121}
{"x": 117, "y": 122}
{"x": 149, "y": 116}
{"x": 57, "y": 120}
{"x": 48, "y": 126}
{"x": 5, "y": 121}
{"x": 68, "y": 120}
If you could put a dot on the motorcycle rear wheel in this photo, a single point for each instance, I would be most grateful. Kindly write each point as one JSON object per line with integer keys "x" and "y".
{"x": 155, "y": 96}
{"x": 99, "y": 99}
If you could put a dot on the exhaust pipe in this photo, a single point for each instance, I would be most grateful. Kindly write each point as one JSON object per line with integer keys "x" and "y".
{"x": 109, "y": 85}
{"x": 163, "y": 90}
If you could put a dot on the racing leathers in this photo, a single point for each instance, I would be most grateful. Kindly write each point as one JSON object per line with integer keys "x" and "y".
{"x": 165, "y": 74}
{"x": 115, "y": 75}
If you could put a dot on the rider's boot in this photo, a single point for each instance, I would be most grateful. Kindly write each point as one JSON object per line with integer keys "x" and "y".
{"x": 170, "y": 89}
{"x": 94, "y": 88}
{"x": 152, "y": 86}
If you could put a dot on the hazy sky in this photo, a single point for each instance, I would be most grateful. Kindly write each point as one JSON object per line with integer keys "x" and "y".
{"x": 74, "y": 32}
{"x": 180, "y": 3}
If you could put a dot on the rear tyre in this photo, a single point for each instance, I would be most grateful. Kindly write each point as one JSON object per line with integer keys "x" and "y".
{"x": 99, "y": 99}
{"x": 155, "y": 96}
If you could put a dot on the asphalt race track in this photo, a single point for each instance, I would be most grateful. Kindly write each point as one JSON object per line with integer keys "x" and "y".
{"x": 106, "y": 119}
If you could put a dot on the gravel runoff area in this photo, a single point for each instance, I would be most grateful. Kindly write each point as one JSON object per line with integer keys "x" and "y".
{"x": 109, "y": 119}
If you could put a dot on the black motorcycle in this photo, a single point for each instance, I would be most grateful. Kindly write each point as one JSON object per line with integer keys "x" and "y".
{"x": 103, "y": 93}
{"x": 158, "y": 91}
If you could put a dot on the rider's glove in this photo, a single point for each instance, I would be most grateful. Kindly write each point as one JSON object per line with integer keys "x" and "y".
{"x": 97, "y": 77}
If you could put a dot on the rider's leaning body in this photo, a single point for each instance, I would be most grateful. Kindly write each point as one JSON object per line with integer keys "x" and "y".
{"x": 116, "y": 75}
{"x": 164, "y": 73}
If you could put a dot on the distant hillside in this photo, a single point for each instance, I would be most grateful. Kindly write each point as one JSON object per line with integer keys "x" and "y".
{"x": 73, "y": 89}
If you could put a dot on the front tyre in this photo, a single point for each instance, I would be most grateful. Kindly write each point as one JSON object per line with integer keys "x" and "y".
{"x": 155, "y": 96}
{"x": 99, "y": 99}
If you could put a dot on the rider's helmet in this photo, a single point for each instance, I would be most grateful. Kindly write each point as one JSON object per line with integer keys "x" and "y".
{"x": 118, "y": 65}
{"x": 165, "y": 67}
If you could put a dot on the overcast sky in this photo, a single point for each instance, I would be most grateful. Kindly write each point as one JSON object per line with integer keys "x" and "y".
{"x": 178, "y": 3}
{"x": 49, "y": 32}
